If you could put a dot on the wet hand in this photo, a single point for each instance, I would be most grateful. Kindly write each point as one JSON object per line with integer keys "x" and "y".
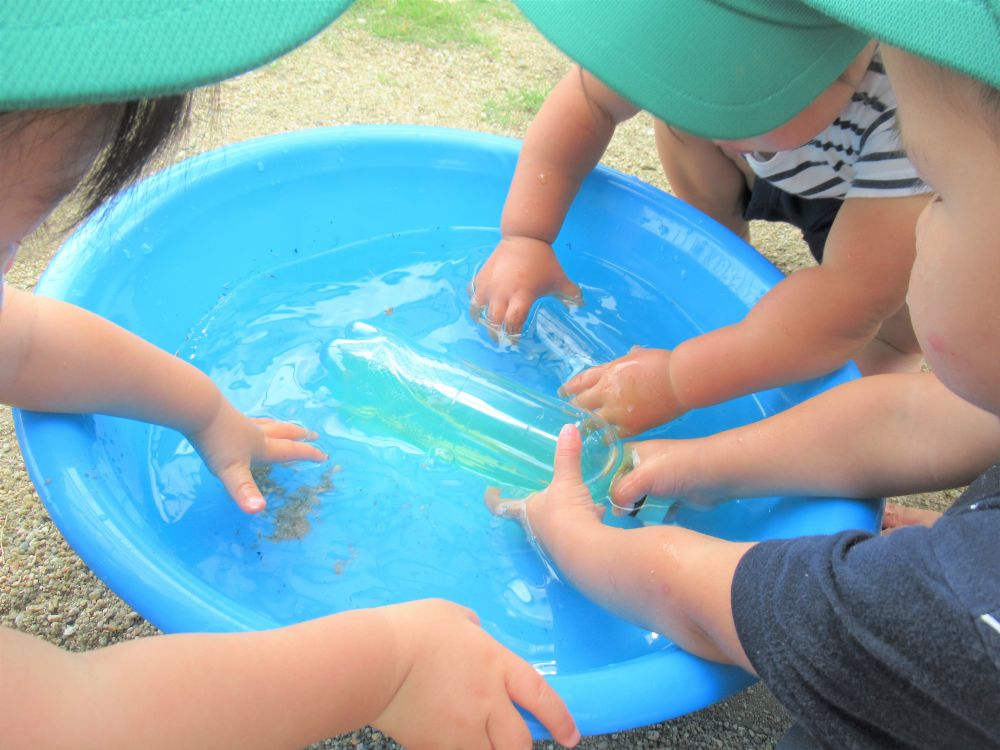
{"x": 232, "y": 442}
{"x": 633, "y": 393}
{"x": 566, "y": 500}
{"x": 518, "y": 272}
{"x": 453, "y": 671}
{"x": 663, "y": 469}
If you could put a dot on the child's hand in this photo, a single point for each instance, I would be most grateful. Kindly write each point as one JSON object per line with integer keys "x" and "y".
{"x": 458, "y": 687}
{"x": 519, "y": 271}
{"x": 633, "y": 393}
{"x": 232, "y": 442}
{"x": 666, "y": 469}
{"x": 897, "y": 516}
{"x": 566, "y": 500}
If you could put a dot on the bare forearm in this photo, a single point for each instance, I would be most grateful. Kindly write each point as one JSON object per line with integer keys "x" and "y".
{"x": 806, "y": 326}
{"x": 277, "y": 689}
{"x": 562, "y": 146}
{"x": 666, "y": 578}
{"x": 880, "y": 436}
{"x": 57, "y": 357}
{"x": 816, "y": 319}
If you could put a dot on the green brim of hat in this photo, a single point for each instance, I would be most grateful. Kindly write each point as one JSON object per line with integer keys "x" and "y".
{"x": 723, "y": 69}
{"x": 959, "y": 34}
{"x": 61, "y": 53}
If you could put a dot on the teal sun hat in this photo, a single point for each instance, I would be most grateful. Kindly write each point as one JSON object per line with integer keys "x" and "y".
{"x": 724, "y": 69}
{"x": 959, "y": 34}
{"x": 63, "y": 53}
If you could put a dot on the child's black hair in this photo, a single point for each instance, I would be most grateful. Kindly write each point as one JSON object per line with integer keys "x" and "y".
{"x": 127, "y": 137}
{"x": 138, "y": 131}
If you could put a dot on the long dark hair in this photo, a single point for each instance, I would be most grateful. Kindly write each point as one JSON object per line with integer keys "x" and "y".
{"x": 127, "y": 137}
{"x": 138, "y": 131}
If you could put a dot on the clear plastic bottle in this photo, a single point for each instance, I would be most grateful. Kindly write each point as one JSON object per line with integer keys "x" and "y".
{"x": 489, "y": 425}
{"x": 557, "y": 342}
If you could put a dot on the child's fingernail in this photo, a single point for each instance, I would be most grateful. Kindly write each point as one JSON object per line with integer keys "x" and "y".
{"x": 254, "y": 504}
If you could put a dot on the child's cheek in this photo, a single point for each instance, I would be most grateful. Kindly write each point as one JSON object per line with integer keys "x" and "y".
{"x": 939, "y": 348}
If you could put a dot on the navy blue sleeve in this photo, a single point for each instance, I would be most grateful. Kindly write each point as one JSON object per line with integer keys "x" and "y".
{"x": 889, "y": 641}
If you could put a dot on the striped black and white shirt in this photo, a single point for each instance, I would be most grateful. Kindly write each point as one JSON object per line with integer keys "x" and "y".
{"x": 858, "y": 156}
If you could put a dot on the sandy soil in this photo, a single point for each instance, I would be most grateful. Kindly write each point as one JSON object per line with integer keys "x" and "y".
{"x": 346, "y": 76}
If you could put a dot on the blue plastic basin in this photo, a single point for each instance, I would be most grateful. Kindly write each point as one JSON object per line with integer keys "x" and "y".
{"x": 249, "y": 260}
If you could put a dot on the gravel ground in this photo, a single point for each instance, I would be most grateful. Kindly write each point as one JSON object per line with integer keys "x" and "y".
{"x": 347, "y": 76}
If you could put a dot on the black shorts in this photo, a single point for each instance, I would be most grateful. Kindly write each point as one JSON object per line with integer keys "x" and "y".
{"x": 814, "y": 216}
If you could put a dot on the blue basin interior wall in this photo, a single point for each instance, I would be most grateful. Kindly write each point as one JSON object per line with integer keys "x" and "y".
{"x": 181, "y": 243}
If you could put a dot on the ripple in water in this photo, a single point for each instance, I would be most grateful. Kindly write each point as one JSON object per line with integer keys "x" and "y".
{"x": 393, "y": 522}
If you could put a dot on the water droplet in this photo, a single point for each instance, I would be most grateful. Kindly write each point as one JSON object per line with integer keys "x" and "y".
{"x": 444, "y": 455}
{"x": 543, "y": 178}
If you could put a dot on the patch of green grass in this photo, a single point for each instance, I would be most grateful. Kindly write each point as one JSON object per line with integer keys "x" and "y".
{"x": 432, "y": 23}
{"x": 516, "y": 107}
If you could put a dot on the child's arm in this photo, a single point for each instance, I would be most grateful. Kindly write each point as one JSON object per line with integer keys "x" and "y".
{"x": 886, "y": 434}
{"x": 562, "y": 146}
{"x": 880, "y": 436}
{"x": 809, "y": 324}
{"x": 665, "y": 578}
{"x": 60, "y": 358}
{"x": 423, "y": 672}
{"x": 704, "y": 176}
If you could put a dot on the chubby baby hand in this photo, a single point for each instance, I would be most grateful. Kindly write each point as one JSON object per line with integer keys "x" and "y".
{"x": 566, "y": 500}
{"x": 899, "y": 516}
{"x": 232, "y": 442}
{"x": 518, "y": 272}
{"x": 633, "y": 393}
{"x": 666, "y": 471}
{"x": 453, "y": 671}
